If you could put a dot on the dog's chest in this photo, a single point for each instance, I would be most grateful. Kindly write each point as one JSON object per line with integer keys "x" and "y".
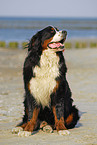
{"x": 44, "y": 82}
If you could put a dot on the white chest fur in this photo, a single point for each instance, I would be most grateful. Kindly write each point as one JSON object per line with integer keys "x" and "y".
{"x": 44, "y": 82}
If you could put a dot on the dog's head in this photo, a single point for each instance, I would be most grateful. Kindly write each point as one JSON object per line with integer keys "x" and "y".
{"x": 48, "y": 38}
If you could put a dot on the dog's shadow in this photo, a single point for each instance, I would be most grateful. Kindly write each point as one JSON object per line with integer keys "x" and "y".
{"x": 79, "y": 124}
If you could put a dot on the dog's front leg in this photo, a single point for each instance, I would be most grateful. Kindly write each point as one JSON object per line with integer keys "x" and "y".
{"x": 31, "y": 124}
{"x": 58, "y": 112}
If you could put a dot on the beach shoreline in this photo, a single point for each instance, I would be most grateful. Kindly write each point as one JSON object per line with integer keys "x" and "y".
{"x": 82, "y": 78}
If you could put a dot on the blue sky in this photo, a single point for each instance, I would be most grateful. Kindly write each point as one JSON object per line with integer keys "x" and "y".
{"x": 49, "y": 8}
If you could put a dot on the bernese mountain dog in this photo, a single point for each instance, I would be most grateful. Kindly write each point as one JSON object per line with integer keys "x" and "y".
{"x": 47, "y": 93}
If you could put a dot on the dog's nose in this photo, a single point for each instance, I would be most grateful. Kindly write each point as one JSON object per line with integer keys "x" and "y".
{"x": 64, "y": 32}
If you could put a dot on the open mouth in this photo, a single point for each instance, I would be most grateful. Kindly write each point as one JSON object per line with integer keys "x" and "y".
{"x": 58, "y": 46}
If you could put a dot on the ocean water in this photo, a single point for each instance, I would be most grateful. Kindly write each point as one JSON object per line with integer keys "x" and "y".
{"x": 22, "y": 29}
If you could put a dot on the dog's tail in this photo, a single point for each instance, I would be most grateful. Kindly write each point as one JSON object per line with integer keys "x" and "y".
{"x": 72, "y": 119}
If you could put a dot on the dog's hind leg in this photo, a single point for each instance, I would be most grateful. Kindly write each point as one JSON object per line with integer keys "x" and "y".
{"x": 72, "y": 118}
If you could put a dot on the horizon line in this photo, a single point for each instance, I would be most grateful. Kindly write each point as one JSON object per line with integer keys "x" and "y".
{"x": 71, "y": 17}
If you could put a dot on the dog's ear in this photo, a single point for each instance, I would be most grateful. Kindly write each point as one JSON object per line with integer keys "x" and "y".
{"x": 35, "y": 43}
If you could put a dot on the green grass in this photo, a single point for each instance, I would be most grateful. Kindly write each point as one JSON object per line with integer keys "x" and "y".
{"x": 13, "y": 45}
{"x": 24, "y": 45}
{"x": 93, "y": 45}
{"x": 80, "y": 45}
{"x": 2, "y": 44}
{"x": 68, "y": 45}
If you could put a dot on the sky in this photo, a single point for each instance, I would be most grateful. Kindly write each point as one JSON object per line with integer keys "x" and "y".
{"x": 48, "y": 8}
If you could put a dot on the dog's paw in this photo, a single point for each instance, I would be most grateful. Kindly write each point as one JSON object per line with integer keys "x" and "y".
{"x": 24, "y": 133}
{"x": 16, "y": 130}
{"x": 47, "y": 129}
{"x": 63, "y": 132}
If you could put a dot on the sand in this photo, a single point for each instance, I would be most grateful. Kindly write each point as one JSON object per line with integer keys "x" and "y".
{"x": 82, "y": 78}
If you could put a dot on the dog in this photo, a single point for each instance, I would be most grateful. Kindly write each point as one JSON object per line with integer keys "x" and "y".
{"x": 47, "y": 93}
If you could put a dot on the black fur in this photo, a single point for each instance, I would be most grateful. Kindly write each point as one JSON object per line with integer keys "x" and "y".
{"x": 61, "y": 99}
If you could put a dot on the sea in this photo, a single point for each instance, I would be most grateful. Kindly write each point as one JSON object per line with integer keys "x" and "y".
{"x": 21, "y": 29}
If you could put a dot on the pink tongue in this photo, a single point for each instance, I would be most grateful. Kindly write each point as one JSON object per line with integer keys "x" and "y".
{"x": 54, "y": 45}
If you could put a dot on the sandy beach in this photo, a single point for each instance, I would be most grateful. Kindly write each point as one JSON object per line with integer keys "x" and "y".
{"x": 82, "y": 78}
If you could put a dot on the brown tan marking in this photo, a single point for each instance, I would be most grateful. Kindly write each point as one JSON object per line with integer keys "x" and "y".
{"x": 59, "y": 124}
{"x": 44, "y": 45}
{"x": 69, "y": 119}
{"x": 52, "y": 29}
{"x": 56, "y": 87}
{"x": 31, "y": 124}
{"x": 23, "y": 125}
{"x": 29, "y": 87}
{"x": 43, "y": 124}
